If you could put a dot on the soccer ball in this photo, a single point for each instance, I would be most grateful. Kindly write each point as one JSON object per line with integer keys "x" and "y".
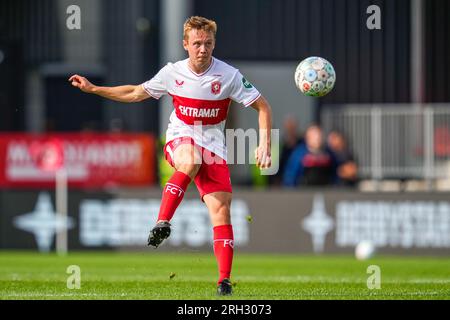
{"x": 315, "y": 76}
{"x": 364, "y": 250}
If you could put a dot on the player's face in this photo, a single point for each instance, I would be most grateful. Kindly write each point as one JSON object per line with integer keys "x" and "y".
{"x": 199, "y": 45}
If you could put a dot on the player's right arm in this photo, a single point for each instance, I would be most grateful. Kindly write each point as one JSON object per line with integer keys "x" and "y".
{"x": 126, "y": 93}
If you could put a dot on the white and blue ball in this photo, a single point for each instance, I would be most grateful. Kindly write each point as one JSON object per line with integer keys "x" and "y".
{"x": 315, "y": 77}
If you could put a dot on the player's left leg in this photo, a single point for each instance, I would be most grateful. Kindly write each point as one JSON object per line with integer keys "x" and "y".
{"x": 218, "y": 204}
{"x": 183, "y": 155}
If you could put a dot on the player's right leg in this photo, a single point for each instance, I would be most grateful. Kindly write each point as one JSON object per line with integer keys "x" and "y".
{"x": 186, "y": 159}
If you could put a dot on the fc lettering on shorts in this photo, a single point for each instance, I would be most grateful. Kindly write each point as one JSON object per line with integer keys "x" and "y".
{"x": 174, "y": 189}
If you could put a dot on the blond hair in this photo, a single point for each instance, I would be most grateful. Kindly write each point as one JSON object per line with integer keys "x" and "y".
{"x": 199, "y": 23}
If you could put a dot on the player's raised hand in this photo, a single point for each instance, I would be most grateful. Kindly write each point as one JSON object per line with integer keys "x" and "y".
{"x": 82, "y": 83}
{"x": 263, "y": 157}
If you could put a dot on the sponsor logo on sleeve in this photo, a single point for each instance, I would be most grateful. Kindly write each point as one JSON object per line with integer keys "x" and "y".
{"x": 246, "y": 83}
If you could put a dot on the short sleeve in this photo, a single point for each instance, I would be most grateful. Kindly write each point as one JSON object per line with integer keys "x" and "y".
{"x": 156, "y": 87}
{"x": 243, "y": 91}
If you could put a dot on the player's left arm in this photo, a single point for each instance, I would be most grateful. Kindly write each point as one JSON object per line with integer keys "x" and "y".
{"x": 262, "y": 153}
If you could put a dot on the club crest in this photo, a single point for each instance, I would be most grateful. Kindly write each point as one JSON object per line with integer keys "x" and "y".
{"x": 215, "y": 87}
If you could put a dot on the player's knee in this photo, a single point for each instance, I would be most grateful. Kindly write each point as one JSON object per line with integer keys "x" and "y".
{"x": 190, "y": 169}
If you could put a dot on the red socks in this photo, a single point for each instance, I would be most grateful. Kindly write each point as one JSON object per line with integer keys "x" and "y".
{"x": 223, "y": 249}
{"x": 173, "y": 193}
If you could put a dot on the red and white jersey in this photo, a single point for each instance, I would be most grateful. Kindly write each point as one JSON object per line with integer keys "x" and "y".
{"x": 201, "y": 101}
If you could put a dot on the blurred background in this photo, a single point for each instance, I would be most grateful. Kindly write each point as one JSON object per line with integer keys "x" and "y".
{"x": 384, "y": 130}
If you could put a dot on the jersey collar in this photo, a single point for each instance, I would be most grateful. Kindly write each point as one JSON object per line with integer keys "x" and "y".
{"x": 204, "y": 72}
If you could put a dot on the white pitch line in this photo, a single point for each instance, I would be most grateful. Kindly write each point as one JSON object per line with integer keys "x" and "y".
{"x": 300, "y": 296}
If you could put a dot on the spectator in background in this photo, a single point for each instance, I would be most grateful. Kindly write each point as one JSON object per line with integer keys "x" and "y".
{"x": 311, "y": 163}
{"x": 291, "y": 139}
{"x": 347, "y": 170}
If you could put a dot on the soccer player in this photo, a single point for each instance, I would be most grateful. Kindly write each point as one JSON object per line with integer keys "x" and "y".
{"x": 202, "y": 88}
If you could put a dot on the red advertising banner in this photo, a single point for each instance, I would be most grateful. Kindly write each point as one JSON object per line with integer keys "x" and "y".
{"x": 91, "y": 160}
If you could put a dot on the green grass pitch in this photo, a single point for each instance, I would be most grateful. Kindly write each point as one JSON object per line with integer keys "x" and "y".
{"x": 189, "y": 276}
